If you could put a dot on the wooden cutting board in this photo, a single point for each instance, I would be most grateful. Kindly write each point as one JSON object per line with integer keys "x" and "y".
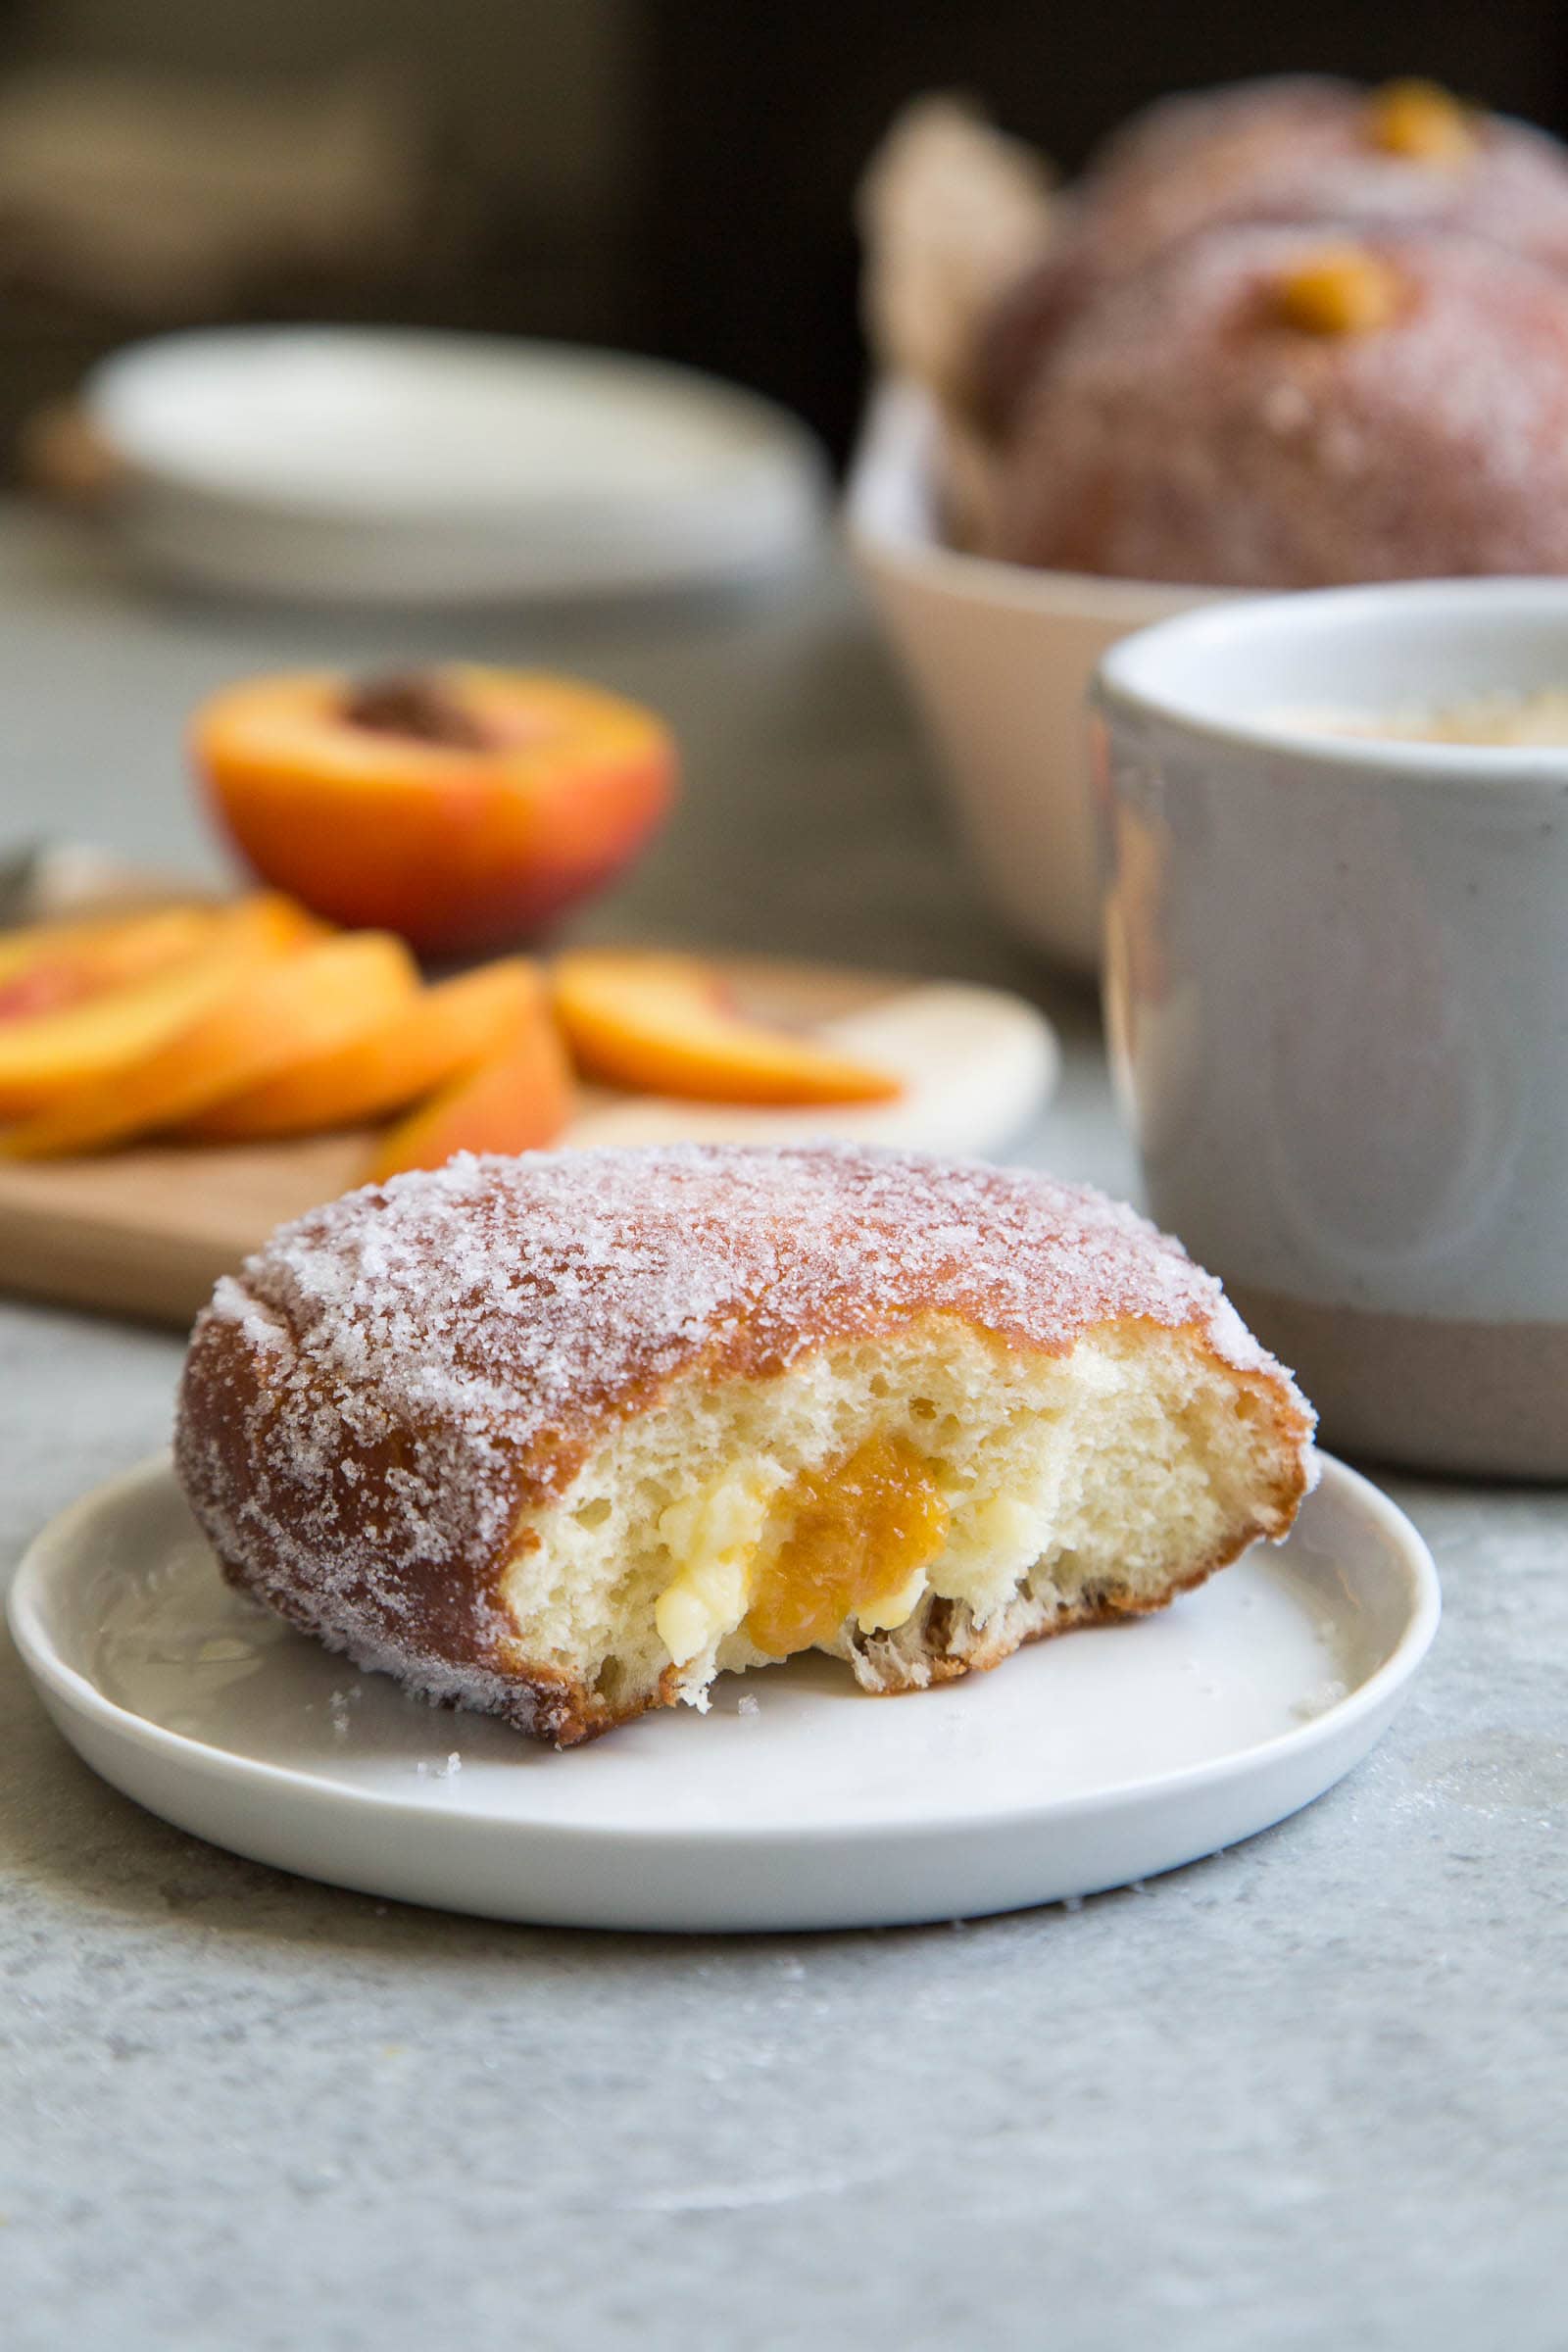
{"x": 147, "y": 1233}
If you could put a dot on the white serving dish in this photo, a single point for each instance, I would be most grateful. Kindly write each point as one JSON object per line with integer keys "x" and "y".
{"x": 1107, "y": 1755}
{"x": 406, "y": 466}
{"x": 1000, "y": 658}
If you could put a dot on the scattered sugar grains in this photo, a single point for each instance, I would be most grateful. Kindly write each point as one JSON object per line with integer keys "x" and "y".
{"x": 746, "y": 1704}
{"x": 339, "y": 1709}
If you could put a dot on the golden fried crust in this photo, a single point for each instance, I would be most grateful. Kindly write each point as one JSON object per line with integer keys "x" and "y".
{"x": 368, "y": 1408}
{"x": 436, "y": 1622}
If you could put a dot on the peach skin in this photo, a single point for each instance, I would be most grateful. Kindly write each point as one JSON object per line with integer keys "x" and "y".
{"x": 660, "y": 1024}
{"x": 515, "y": 1102}
{"x": 464, "y": 808}
{"x": 449, "y": 1029}
{"x": 48, "y": 1056}
{"x": 299, "y": 1005}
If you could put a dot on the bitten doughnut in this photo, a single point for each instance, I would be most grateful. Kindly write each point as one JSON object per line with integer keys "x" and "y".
{"x": 562, "y": 1436}
{"x": 1285, "y": 408}
{"x": 1297, "y": 148}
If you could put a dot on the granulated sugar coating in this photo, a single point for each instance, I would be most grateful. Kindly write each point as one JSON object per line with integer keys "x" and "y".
{"x": 384, "y": 1388}
{"x": 1185, "y": 431}
{"x": 508, "y": 1297}
{"x": 1304, "y": 148}
{"x": 1292, "y": 148}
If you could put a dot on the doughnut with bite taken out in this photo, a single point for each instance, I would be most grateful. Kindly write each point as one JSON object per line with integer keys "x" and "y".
{"x": 561, "y": 1437}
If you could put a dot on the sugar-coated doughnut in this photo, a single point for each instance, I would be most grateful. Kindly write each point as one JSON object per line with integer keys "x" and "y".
{"x": 1295, "y": 148}
{"x": 1292, "y": 408}
{"x": 562, "y": 1436}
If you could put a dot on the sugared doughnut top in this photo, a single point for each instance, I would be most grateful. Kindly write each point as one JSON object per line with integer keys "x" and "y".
{"x": 1281, "y": 407}
{"x": 1291, "y": 149}
{"x": 1305, "y": 148}
{"x": 517, "y": 1304}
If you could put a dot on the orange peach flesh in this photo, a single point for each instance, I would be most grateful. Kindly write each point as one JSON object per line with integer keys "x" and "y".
{"x": 449, "y": 1029}
{"x": 517, "y": 1101}
{"x": 458, "y": 848}
{"x": 95, "y": 1043}
{"x": 51, "y": 966}
{"x": 660, "y": 1024}
{"x": 303, "y": 1002}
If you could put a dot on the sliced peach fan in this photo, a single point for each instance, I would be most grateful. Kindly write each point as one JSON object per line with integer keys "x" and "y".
{"x": 91, "y": 1046}
{"x": 450, "y": 1029}
{"x": 49, "y": 967}
{"x": 662, "y": 1024}
{"x": 302, "y": 1002}
{"x": 517, "y": 1100}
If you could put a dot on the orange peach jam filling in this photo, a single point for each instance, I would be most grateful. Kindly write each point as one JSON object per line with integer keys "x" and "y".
{"x": 863, "y": 1534}
{"x": 1421, "y": 121}
{"x": 1341, "y": 289}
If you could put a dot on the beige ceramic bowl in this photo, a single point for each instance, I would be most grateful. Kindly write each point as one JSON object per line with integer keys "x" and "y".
{"x": 1000, "y": 658}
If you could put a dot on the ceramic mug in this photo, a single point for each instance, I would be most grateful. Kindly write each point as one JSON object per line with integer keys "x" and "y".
{"x": 1336, "y": 987}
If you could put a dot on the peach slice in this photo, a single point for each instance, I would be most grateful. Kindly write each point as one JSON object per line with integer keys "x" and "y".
{"x": 661, "y": 1024}
{"x": 296, "y": 1006}
{"x": 449, "y": 1029}
{"x": 48, "y": 967}
{"x": 519, "y": 1100}
{"x": 51, "y": 1055}
{"x": 463, "y": 807}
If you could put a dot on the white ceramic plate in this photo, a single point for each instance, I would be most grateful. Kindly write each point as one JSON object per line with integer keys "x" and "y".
{"x": 408, "y": 466}
{"x": 798, "y": 1802}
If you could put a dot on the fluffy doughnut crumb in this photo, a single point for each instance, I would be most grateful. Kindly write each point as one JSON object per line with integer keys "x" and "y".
{"x": 561, "y": 1437}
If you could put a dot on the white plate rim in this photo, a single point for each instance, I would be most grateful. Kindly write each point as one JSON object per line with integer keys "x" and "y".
{"x": 779, "y": 456}
{"x": 1336, "y": 1726}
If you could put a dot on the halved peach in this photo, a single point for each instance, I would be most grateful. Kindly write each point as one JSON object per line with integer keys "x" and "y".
{"x": 449, "y": 1029}
{"x": 662, "y": 1024}
{"x": 299, "y": 1005}
{"x": 48, "y": 967}
{"x": 519, "y": 1100}
{"x": 51, "y": 1055}
{"x": 463, "y": 807}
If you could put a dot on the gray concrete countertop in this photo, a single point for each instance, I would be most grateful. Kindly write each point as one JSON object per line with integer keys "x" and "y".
{"x": 1310, "y": 2093}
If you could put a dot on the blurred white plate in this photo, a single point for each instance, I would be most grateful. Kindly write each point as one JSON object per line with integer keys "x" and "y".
{"x": 797, "y": 1802}
{"x": 406, "y": 466}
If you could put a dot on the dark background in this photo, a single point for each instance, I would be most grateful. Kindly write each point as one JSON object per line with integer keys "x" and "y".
{"x": 675, "y": 176}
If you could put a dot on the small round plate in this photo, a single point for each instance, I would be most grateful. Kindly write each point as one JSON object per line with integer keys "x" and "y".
{"x": 798, "y": 1802}
{"x": 380, "y": 466}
